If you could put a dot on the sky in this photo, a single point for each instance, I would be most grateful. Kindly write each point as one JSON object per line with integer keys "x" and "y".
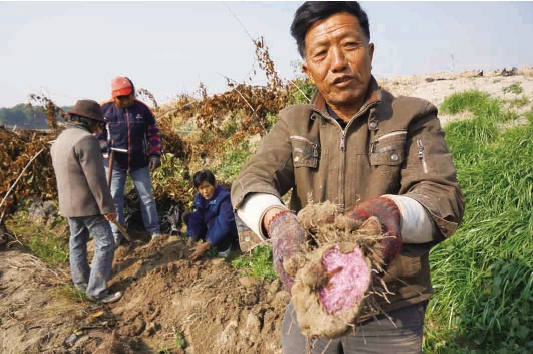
{"x": 72, "y": 50}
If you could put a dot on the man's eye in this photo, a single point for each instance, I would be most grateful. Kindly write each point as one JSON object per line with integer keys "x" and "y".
{"x": 320, "y": 54}
{"x": 352, "y": 45}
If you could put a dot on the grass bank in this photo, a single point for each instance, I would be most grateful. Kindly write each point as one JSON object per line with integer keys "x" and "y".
{"x": 483, "y": 275}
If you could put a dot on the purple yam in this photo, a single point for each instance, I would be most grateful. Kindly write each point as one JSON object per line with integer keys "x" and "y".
{"x": 349, "y": 282}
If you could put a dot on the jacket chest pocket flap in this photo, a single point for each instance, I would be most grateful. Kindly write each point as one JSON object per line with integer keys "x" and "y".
{"x": 305, "y": 153}
{"x": 388, "y": 149}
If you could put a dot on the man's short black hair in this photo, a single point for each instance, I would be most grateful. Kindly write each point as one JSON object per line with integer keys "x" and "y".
{"x": 313, "y": 11}
{"x": 204, "y": 175}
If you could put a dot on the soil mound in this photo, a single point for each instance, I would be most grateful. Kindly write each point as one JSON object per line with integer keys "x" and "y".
{"x": 170, "y": 305}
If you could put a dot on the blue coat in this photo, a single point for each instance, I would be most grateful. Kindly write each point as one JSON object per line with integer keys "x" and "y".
{"x": 134, "y": 129}
{"x": 212, "y": 219}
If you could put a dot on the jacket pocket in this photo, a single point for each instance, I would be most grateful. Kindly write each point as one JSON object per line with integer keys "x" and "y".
{"x": 305, "y": 153}
{"x": 388, "y": 149}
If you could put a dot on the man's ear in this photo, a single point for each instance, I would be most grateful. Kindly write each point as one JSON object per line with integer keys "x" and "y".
{"x": 307, "y": 72}
{"x": 371, "y": 51}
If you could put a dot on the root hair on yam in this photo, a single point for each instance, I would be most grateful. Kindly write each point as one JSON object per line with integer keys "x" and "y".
{"x": 334, "y": 241}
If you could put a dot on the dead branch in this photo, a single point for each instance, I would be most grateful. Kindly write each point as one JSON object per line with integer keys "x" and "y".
{"x": 308, "y": 99}
{"x": 20, "y": 175}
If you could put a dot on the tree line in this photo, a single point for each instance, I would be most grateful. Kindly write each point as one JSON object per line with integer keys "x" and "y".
{"x": 25, "y": 116}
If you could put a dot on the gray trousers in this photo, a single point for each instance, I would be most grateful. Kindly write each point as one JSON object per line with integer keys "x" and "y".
{"x": 401, "y": 333}
{"x": 98, "y": 274}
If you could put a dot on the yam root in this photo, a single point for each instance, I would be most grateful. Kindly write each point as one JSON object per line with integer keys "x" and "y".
{"x": 332, "y": 279}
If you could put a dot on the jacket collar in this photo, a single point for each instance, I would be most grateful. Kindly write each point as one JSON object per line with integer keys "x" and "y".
{"x": 373, "y": 97}
{"x": 79, "y": 125}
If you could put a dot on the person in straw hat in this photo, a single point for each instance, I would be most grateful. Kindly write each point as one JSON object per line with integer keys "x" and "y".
{"x": 85, "y": 200}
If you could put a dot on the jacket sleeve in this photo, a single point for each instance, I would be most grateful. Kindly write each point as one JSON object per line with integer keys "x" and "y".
{"x": 429, "y": 174}
{"x": 270, "y": 170}
{"x": 92, "y": 164}
{"x": 152, "y": 133}
{"x": 223, "y": 222}
{"x": 197, "y": 226}
{"x": 103, "y": 135}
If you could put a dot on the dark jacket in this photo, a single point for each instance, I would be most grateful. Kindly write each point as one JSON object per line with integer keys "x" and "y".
{"x": 392, "y": 146}
{"x": 133, "y": 128}
{"x": 80, "y": 176}
{"x": 212, "y": 219}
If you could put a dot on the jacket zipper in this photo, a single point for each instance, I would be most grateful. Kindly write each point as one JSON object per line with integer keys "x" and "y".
{"x": 301, "y": 138}
{"x": 422, "y": 155}
{"x": 343, "y": 147}
{"x": 343, "y": 140}
{"x": 129, "y": 142}
{"x": 343, "y": 150}
{"x": 376, "y": 141}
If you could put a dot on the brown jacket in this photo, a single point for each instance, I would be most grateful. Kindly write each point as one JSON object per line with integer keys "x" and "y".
{"x": 80, "y": 174}
{"x": 392, "y": 146}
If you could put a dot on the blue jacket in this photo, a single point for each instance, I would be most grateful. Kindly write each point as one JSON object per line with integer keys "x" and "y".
{"x": 131, "y": 128}
{"x": 213, "y": 217}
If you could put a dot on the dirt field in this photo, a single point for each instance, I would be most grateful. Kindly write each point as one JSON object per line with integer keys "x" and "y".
{"x": 168, "y": 299}
{"x": 171, "y": 304}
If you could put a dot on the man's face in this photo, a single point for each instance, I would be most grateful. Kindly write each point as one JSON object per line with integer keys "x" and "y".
{"x": 124, "y": 101}
{"x": 338, "y": 60}
{"x": 206, "y": 189}
{"x": 94, "y": 126}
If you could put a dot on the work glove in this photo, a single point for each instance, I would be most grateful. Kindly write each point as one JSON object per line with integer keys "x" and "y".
{"x": 154, "y": 163}
{"x": 388, "y": 215}
{"x": 103, "y": 145}
{"x": 288, "y": 245}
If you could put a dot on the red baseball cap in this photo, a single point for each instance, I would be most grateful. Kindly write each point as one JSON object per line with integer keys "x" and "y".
{"x": 120, "y": 86}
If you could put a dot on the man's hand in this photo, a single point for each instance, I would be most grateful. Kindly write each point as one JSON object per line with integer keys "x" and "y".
{"x": 111, "y": 216}
{"x": 388, "y": 214}
{"x": 154, "y": 163}
{"x": 199, "y": 250}
{"x": 288, "y": 244}
{"x": 103, "y": 145}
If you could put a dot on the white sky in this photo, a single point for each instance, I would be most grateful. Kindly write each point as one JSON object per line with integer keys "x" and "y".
{"x": 72, "y": 50}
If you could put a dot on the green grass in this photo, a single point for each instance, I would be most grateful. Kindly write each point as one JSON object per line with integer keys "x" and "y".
{"x": 233, "y": 161}
{"x": 483, "y": 275}
{"x": 179, "y": 339}
{"x": 258, "y": 264}
{"x": 70, "y": 293}
{"x": 51, "y": 246}
{"x": 515, "y": 88}
{"x": 520, "y": 102}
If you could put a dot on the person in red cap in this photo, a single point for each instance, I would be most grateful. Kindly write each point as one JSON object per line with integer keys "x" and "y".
{"x": 130, "y": 128}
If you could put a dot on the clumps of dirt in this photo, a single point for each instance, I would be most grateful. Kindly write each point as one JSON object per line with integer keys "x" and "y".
{"x": 113, "y": 344}
{"x": 333, "y": 277}
{"x": 168, "y": 296}
{"x": 170, "y": 304}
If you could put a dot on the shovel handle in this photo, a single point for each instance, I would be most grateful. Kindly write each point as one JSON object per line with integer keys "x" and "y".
{"x": 110, "y": 167}
{"x": 123, "y": 231}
